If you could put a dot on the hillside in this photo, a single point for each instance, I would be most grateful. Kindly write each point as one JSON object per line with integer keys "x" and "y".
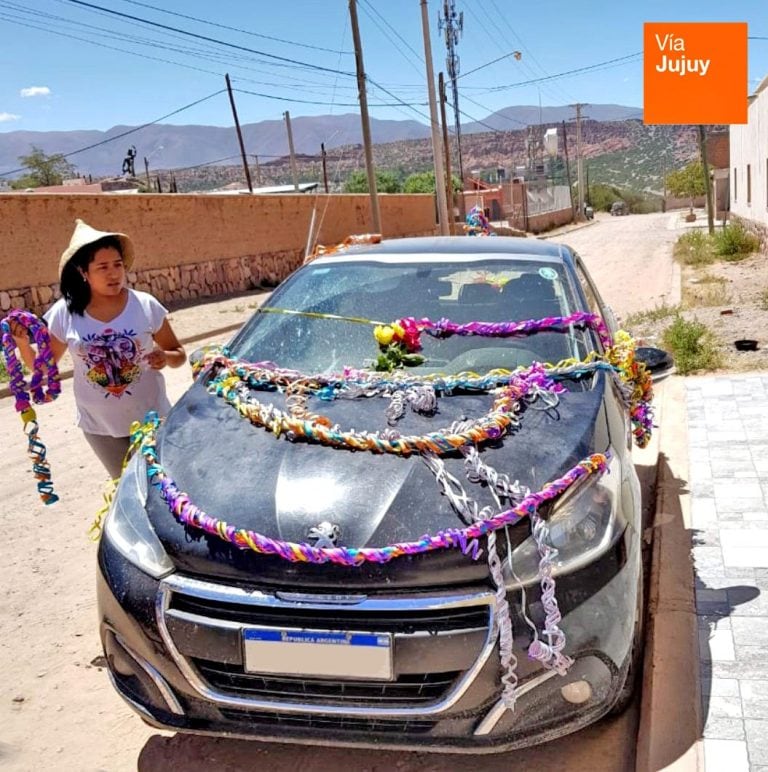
{"x": 623, "y": 153}
{"x": 171, "y": 146}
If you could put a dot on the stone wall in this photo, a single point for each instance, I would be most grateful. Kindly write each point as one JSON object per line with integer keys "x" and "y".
{"x": 188, "y": 246}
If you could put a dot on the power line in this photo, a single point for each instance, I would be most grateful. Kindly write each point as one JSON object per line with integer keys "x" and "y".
{"x": 419, "y": 57}
{"x": 365, "y": 7}
{"x": 236, "y": 29}
{"x": 214, "y": 56}
{"x": 605, "y": 64}
{"x": 516, "y": 54}
{"x": 126, "y": 133}
{"x": 329, "y": 104}
{"x": 210, "y": 39}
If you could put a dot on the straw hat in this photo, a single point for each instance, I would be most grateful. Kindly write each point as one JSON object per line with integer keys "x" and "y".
{"x": 85, "y": 235}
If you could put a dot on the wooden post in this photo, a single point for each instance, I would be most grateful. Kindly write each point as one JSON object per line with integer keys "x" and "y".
{"x": 446, "y": 146}
{"x": 239, "y": 135}
{"x": 365, "y": 120}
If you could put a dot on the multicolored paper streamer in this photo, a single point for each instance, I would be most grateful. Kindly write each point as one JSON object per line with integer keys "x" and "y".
{"x": 43, "y": 387}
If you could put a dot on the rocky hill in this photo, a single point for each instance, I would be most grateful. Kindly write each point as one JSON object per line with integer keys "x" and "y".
{"x": 623, "y": 153}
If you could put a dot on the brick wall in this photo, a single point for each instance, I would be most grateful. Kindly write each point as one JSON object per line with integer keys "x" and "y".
{"x": 187, "y": 246}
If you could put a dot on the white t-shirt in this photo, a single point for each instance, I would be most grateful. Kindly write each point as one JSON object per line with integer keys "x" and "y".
{"x": 113, "y": 383}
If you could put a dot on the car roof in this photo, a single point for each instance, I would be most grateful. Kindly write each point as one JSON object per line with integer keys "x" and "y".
{"x": 500, "y": 246}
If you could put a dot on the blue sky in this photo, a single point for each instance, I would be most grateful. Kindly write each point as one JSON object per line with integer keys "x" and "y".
{"x": 137, "y": 73}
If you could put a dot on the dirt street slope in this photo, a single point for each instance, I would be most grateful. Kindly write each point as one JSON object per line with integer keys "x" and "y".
{"x": 629, "y": 259}
{"x": 58, "y": 710}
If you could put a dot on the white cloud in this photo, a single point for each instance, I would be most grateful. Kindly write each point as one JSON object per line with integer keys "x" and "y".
{"x": 33, "y": 91}
{"x": 8, "y": 117}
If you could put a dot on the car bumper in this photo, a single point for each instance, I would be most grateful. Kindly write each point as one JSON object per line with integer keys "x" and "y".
{"x": 175, "y": 653}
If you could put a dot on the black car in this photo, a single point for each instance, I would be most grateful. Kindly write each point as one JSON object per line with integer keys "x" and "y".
{"x": 238, "y": 628}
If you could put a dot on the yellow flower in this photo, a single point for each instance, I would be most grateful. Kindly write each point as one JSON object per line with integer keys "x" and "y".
{"x": 383, "y": 334}
{"x": 399, "y": 331}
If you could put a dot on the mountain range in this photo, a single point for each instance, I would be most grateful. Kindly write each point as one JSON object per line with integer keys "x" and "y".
{"x": 168, "y": 146}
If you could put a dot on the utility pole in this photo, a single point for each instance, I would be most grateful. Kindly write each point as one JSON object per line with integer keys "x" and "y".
{"x": 325, "y": 166}
{"x": 447, "y": 147}
{"x": 453, "y": 24}
{"x": 567, "y": 164}
{"x": 239, "y": 134}
{"x": 579, "y": 160}
{"x": 292, "y": 154}
{"x": 146, "y": 172}
{"x": 707, "y": 181}
{"x": 258, "y": 171}
{"x": 365, "y": 120}
{"x": 442, "y": 204}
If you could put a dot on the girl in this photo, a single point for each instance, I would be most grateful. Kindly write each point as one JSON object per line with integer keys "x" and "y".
{"x": 119, "y": 340}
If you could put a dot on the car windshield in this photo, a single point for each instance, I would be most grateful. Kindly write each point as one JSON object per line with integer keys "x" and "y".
{"x": 489, "y": 290}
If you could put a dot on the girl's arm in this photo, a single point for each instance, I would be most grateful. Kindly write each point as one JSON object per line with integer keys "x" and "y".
{"x": 21, "y": 339}
{"x": 168, "y": 350}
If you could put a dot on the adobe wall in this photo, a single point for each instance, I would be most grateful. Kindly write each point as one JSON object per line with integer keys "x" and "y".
{"x": 187, "y": 246}
{"x": 538, "y": 223}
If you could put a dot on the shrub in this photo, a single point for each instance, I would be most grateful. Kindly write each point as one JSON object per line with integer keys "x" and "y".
{"x": 694, "y": 248}
{"x": 655, "y": 314}
{"x": 762, "y": 299}
{"x": 692, "y": 345}
{"x": 735, "y": 242}
{"x": 3, "y": 371}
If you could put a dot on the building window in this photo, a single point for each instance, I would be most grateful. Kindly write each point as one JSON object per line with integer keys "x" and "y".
{"x": 749, "y": 183}
{"x": 735, "y": 184}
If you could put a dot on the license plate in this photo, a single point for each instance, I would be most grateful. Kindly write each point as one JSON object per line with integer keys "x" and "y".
{"x": 318, "y": 653}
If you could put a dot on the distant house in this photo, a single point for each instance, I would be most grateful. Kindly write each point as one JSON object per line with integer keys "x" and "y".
{"x": 749, "y": 161}
{"x": 236, "y": 188}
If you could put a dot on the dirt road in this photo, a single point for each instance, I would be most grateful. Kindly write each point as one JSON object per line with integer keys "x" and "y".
{"x": 629, "y": 259}
{"x": 57, "y": 708}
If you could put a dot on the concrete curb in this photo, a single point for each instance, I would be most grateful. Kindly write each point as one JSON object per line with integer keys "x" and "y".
{"x": 670, "y": 712}
{"x": 66, "y": 374}
{"x": 578, "y": 227}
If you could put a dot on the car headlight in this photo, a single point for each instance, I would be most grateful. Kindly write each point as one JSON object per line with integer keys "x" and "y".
{"x": 581, "y": 527}
{"x": 127, "y": 526}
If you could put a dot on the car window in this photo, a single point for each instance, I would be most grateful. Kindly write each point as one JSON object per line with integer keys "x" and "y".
{"x": 299, "y": 334}
{"x": 594, "y": 301}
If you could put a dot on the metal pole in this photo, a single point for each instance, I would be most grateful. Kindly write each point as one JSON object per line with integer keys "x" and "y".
{"x": 294, "y": 171}
{"x": 239, "y": 135}
{"x": 325, "y": 166}
{"x": 707, "y": 181}
{"x": 442, "y": 204}
{"x": 579, "y": 163}
{"x": 258, "y": 171}
{"x": 567, "y": 164}
{"x": 447, "y": 147}
{"x": 365, "y": 120}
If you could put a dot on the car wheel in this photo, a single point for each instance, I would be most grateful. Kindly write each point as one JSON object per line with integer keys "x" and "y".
{"x": 634, "y": 665}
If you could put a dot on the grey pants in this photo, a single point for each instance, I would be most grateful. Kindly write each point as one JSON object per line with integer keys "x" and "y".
{"x": 109, "y": 450}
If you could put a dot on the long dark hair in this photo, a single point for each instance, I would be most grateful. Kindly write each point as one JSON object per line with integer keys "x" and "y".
{"x": 74, "y": 288}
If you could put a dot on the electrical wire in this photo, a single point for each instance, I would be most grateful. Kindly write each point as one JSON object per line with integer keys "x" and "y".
{"x": 237, "y": 29}
{"x": 131, "y": 17}
{"x": 125, "y": 133}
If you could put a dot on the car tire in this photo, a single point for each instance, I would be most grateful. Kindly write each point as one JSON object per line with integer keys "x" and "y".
{"x": 634, "y": 665}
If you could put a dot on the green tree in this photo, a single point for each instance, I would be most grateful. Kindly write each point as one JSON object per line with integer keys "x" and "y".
{"x": 386, "y": 182}
{"x": 424, "y": 182}
{"x": 43, "y": 170}
{"x": 687, "y": 182}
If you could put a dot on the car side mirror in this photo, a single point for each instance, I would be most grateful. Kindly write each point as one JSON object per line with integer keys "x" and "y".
{"x": 659, "y": 363}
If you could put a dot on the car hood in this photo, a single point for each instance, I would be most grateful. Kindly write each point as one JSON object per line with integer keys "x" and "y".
{"x": 246, "y": 476}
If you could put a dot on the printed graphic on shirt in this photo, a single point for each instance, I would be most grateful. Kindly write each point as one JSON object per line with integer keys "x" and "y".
{"x": 112, "y": 359}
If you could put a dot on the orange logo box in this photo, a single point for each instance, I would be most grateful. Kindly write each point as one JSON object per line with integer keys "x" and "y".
{"x": 694, "y": 72}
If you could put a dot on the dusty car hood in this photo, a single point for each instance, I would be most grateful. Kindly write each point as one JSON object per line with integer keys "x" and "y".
{"x": 244, "y": 475}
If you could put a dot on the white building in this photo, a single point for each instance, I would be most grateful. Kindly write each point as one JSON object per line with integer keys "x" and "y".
{"x": 749, "y": 160}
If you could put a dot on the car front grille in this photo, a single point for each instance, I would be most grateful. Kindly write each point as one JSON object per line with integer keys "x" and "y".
{"x": 338, "y": 723}
{"x": 381, "y": 621}
{"x": 408, "y": 689}
{"x": 440, "y": 643}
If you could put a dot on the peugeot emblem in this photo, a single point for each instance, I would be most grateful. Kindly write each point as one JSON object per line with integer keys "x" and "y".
{"x": 326, "y": 535}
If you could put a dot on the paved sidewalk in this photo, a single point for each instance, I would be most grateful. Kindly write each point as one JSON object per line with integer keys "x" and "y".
{"x": 728, "y": 478}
